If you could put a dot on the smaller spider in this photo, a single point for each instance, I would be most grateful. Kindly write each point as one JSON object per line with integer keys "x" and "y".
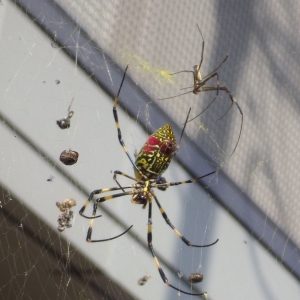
{"x": 152, "y": 160}
{"x": 200, "y": 86}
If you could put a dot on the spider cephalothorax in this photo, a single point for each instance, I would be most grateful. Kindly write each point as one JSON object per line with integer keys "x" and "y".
{"x": 142, "y": 194}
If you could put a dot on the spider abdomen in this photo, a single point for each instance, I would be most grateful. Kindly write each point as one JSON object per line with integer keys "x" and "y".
{"x": 157, "y": 153}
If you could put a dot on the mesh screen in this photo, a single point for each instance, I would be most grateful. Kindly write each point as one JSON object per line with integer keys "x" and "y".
{"x": 262, "y": 39}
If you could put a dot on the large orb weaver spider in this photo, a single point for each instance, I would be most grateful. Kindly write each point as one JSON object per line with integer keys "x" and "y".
{"x": 153, "y": 159}
{"x": 199, "y": 86}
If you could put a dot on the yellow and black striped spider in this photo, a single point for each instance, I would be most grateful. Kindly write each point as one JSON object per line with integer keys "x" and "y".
{"x": 199, "y": 86}
{"x": 153, "y": 159}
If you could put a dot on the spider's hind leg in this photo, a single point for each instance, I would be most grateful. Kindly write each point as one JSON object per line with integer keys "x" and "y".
{"x": 150, "y": 246}
{"x": 164, "y": 215}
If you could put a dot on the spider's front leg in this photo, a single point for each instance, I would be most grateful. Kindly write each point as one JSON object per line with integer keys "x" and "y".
{"x": 102, "y": 199}
{"x": 95, "y": 192}
{"x": 95, "y": 206}
{"x": 125, "y": 175}
{"x": 115, "y": 114}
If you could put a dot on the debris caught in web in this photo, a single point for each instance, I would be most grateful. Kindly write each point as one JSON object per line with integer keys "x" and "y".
{"x": 65, "y": 219}
{"x": 144, "y": 279}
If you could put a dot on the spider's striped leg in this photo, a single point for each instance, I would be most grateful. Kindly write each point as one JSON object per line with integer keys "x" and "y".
{"x": 160, "y": 270}
{"x": 123, "y": 174}
{"x": 89, "y": 236}
{"x": 115, "y": 113}
{"x": 173, "y": 227}
{"x": 102, "y": 199}
{"x": 100, "y": 191}
{"x": 96, "y": 192}
{"x": 167, "y": 184}
{"x": 166, "y": 217}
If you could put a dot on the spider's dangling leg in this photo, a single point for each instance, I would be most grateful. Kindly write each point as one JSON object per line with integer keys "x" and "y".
{"x": 160, "y": 270}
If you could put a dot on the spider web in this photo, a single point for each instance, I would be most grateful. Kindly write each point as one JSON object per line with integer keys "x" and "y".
{"x": 38, "y": 84}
